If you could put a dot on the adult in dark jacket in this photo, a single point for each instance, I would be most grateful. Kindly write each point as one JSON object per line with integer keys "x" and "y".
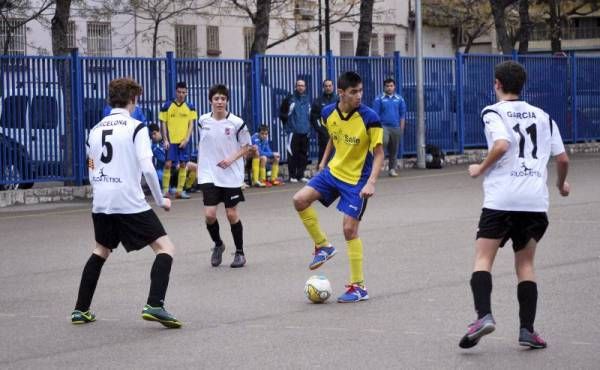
{"x": 327, "y": 97}
{"x": 294, "y": 114}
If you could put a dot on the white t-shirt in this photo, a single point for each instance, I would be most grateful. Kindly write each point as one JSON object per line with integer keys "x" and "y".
{"x": 517, "y": 181}
{"x": 116, "y": 145}
{"x": 220, "y": 140}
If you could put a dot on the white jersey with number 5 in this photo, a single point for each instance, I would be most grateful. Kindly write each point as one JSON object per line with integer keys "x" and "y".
{"x": 517, "y": 181}
{"x": 115, "y": 146}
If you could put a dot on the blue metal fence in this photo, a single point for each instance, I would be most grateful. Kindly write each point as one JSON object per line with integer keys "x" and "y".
{"x": 47, "y": 104}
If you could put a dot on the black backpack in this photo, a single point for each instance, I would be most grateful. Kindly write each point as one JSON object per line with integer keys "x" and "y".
{"x": 434, "y": 156}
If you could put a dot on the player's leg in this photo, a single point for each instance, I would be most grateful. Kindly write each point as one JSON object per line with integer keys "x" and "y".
{"x": 154, "y": 309}
{"x": 237, "y": 232}
{"x": 302, "y": 158}
{"x": 212, "y": 225}
{"x": 356, "y": 288}
{"x": 292, "y": 150}
{"x": 386, "y": 143}
{"x": 166, "y": 176}
{"x": 262, "y": 178}
{"x": 256, "y": 169}
{"x": 275, "y": 170}
{"x": 394, "y": 143}
{"x": 192, "y": 175}
{"x": 87, "y": 286}
{"x": 319, "y": 188}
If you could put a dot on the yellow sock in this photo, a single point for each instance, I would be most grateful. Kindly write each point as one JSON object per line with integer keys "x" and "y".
{"x": 263, "y": 174}
{"x": 166, "y": 180}
{"x": 274, "y": 171}
{"x": 181, "y": 179}
{"x": 355, "y": 256}
{"x": 255, "y": 169}
{"x": 191, "y": 179}
{"x": 311, "y": 223}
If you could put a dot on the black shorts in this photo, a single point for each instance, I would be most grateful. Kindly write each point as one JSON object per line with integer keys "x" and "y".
{"x": 518, "y": 226}
{"x": 135, "y": 230}
{"x": 213, "y": 195}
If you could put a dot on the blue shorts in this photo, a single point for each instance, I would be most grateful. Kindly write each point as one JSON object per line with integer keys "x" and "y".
{"x": 177, "y": 155}
{"x": 331, "y": 188}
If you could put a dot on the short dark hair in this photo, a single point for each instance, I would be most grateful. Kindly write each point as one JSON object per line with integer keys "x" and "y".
{"x": 122, "y": 91}
{"x": 181, "y": 85}
{"x": 263, "y": 128}
{"x": 348, "y": 79}
{"x": 153, "y": 127}
{"x": 512, "y": 76}
{"x": 218, "y": 89}
{"x": 326, "y": 81}
{"x": 389, "y": 81}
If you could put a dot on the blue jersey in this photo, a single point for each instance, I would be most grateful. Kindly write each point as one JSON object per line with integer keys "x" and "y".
{"x": 136, "y": 114}
{"x": 264, "y": 149}
{"x": 391, "y": 109}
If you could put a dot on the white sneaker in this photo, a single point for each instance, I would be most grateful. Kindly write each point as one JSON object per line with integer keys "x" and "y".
{"x": 304, "y": 179}
{"x": 393, "y": 173}
{"x": 293, "y": 180}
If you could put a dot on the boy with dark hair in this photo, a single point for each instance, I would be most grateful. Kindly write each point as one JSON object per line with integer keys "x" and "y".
{"x": 119, "y": 153}
{"x": 521, "y": 138}
{"x": 224, "y": 139}
{"x": 391, "y": 108}
{"x": 356, "y": 135}
{"x": 177, "y": 118}
{"x": 262, "y": 155}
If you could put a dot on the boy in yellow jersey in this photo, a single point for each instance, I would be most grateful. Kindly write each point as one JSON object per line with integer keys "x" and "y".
{"x": 356, "y": 139}
{"x": 177, "y": 118}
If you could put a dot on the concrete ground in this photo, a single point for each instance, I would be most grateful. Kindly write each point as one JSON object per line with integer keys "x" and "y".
{"x": 418, "y": 233}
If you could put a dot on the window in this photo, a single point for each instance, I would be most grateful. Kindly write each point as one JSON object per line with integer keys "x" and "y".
{"x": 248, "y": 41}
{"x": 99, "y": 42}
{"x": 17, "y": 43}
{"x": 346, "y": 44}
{"x": 212, "y": 41}
{"x": 374, "y": 45}
{"x": 71, "y": 35}
{"x": 186, "y": 41}
{"x": 389, "y": 44}
{"x": 305, "y": 10}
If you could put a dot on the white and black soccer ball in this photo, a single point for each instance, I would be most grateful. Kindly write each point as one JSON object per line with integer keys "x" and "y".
{"x": 317, "y": 289}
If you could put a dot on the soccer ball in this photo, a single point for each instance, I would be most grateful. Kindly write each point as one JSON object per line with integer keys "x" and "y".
{"x": 317, "y": 289}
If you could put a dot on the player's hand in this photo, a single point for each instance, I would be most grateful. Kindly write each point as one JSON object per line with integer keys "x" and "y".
{"x": 367, "y": 191}
{"x": 474, "y": 170}
{"x": 321, "y": 167}
{"x": 225, "y": 163}
{"x": 183, "y": 144}
{"x": 565, "y": 189}
{"x": 276, "y": 156}
{"x": 166, "y": 204}
{"x": 166, "y": 144}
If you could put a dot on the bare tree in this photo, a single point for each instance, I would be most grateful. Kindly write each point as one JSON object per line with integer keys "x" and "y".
{"x": 60, "y": 23}
{"x": 502, "y": 31}
{"x": 469, "y": 19}
{"x": 16, "y": 13}
{"x": 365, "y": 30}
{"x": 153, "y": 12}
{"x": 525, "y": 26}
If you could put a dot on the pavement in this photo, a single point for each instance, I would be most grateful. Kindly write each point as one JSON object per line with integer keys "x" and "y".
{"x": 418, "y": 233}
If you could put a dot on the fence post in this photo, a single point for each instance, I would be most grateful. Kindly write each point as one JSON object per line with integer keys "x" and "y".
{"x": 460, "y": 101}
{"x": 77, "y": 117}
{"x": 330, "y": 65}
{"x": 171, "y": 71}
{"x": 398, "y": 79}
{"x": 515, "y": 55}
{"x": 256, "y": 86}
{"x": 574, "y": 108}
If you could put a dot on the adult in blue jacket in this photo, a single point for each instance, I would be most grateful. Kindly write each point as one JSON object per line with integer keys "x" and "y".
{"x": 295, "y": 117}
{"x": 391, "y": 108}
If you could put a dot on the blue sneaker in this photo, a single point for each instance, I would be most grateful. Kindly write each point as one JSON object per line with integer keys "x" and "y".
{"x": 477, "y": 330}
{"x": 322, "y": 254}
{"x": 531, "y": 339}
{"x": 355, "y": 293}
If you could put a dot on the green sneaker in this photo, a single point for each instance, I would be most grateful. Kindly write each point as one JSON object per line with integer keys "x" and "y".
{"x": 161, "y": 315}
{"x": 78, "y": 317}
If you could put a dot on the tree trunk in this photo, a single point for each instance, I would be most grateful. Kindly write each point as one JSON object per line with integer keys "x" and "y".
{"x": 365, "y": 29}
{"x": 555, "y": 26}
{"x": 60, "y": 23}
{"x": 261, "y": 27}
{"x": 155, "y": 37}
{"x": 8, "y": 38}
{"x": 498, "y": 10}
{"x": 524, "y": 26}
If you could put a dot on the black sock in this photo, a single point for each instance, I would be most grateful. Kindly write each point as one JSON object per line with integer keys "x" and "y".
{"x": 527, "y": 294}
{"x": 481, "y": 284}
{"x": 159, "y": 279}
{"x": 89, "y": 280}
{"x": 238, "y": 237}
{"x": 213, "y": 230}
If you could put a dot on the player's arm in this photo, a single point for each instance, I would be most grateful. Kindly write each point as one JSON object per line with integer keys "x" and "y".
{"x": 557, "y": 149}
{"x": 402, "y": 111}
{"x": 246, "y": 147}
{"x": 188, "y": 135}
{"x": 143, "y": 151}
{"x": 375, "y": 132}
{"x": 326, "y": 154}
{"x": 494, "y": 126}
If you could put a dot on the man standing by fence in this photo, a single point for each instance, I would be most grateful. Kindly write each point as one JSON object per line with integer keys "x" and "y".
{"x": 392, "y": 110}
{"x": 177, "y": 118}
{"x": 294, "y": 114}
{"x": 328, "y": 97}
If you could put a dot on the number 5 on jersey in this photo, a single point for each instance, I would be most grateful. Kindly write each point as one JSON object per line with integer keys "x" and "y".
{"x": 109, "y": 149}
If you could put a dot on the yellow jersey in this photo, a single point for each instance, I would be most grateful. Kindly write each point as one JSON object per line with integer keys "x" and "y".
{"x": 177, "y": 117}
{"x": 354, "y": 134}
